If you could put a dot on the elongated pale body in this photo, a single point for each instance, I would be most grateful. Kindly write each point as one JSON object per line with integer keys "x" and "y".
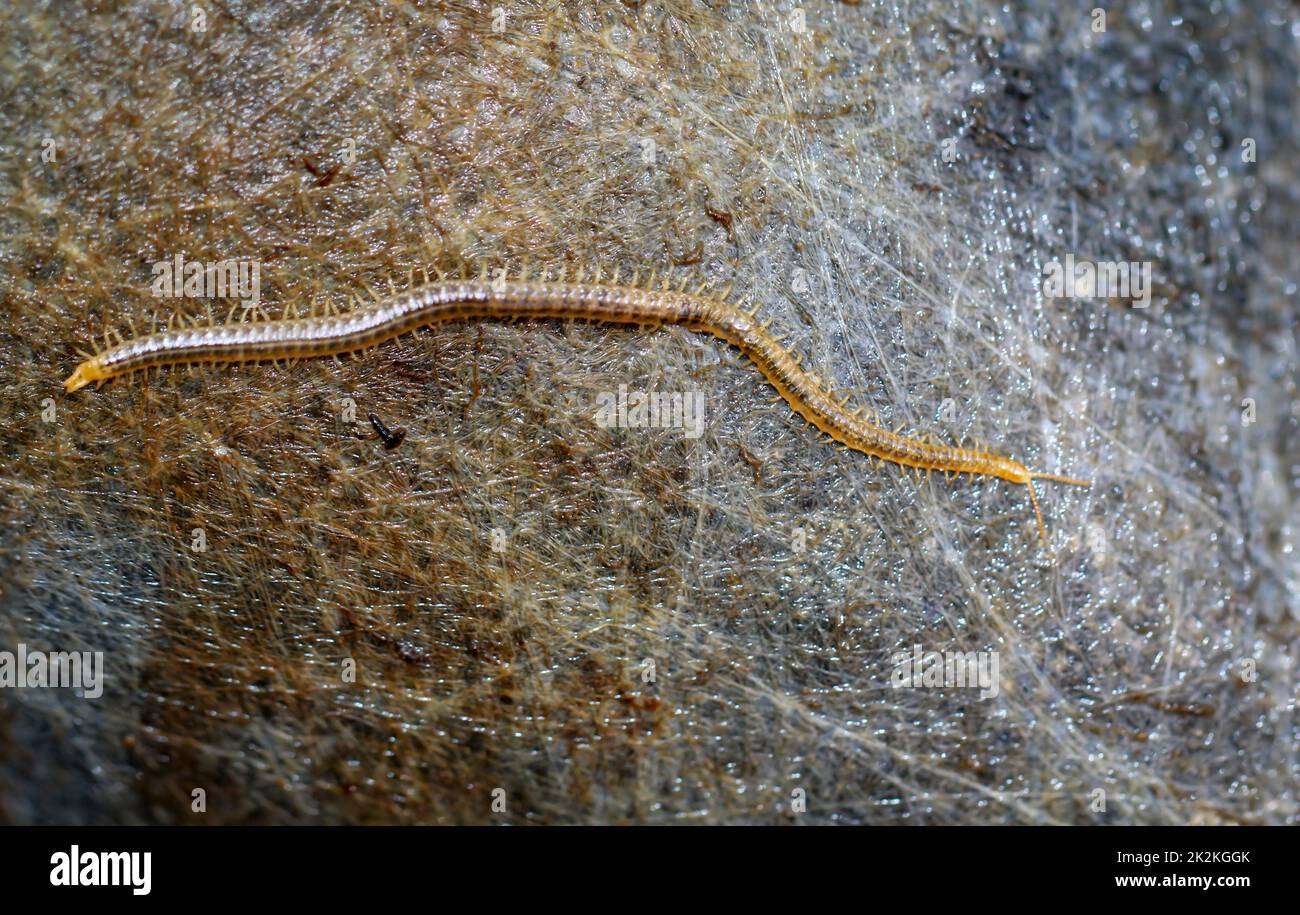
{"x": 441, "y": 302}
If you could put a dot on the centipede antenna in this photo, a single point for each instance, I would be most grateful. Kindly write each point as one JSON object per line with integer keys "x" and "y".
{"x": 1038, "y": 513}
{"x": 1071, "y": 481}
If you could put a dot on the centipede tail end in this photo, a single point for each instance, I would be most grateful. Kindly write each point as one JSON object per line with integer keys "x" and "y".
{"x": 86, "y": 373}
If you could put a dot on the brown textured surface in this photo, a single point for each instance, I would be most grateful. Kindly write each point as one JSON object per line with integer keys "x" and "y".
{"x": 804, "y": 168}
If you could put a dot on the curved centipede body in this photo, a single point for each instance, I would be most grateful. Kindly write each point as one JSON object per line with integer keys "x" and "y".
{"x": 504, "y": 299}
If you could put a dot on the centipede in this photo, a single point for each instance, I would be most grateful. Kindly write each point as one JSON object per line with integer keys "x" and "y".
{"x": 442, "y": 300}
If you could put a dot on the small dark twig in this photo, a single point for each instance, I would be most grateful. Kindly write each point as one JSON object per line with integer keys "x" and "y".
{"x": 391, "y": 439}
